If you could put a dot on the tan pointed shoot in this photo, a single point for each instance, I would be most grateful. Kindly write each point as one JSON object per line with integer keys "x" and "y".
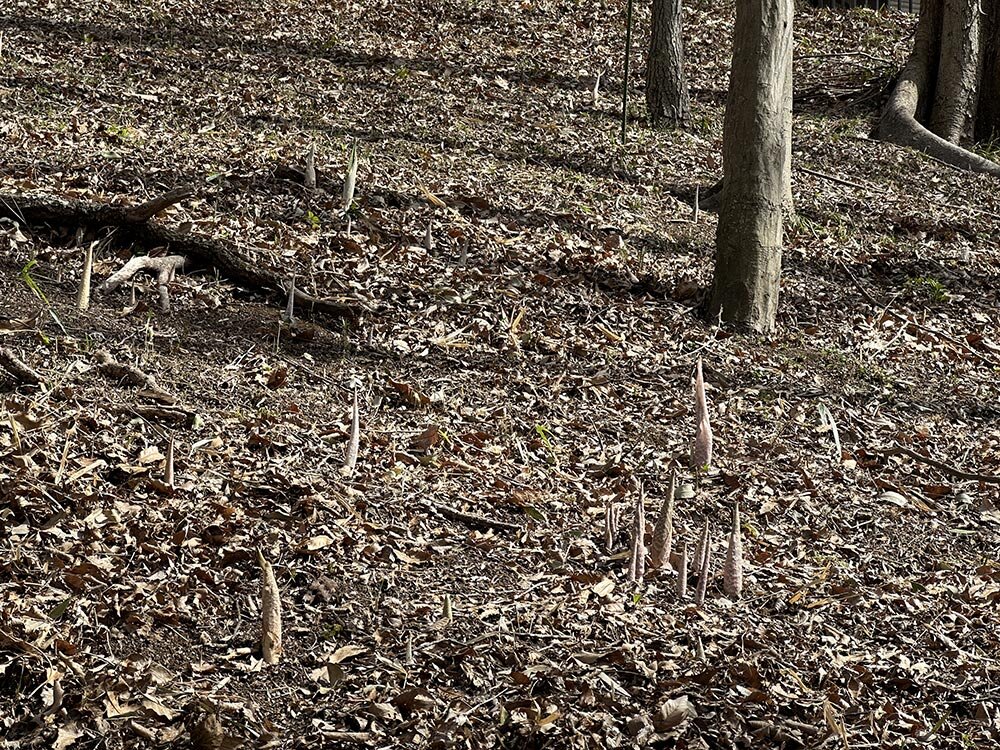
{"x": 682, "y": 573}
{"x": 309, "y": 178}
{"x": 83, "y": 298}
{"x": 663, "y": 533}
{"x": 611, "y": 514}
{"x": 168, "y": 473}
{"x": 270, "y": 607}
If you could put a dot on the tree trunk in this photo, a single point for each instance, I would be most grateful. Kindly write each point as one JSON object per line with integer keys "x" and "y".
{"x": 987, "y": 124}
{"x": 757, "y": 156}
{"x": 667, "y": 99}
{"x": 949, "y": 85}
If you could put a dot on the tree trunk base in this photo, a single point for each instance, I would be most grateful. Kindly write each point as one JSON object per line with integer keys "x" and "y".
{"x": 899, "y": 122}
{"x": 900, "y": 126}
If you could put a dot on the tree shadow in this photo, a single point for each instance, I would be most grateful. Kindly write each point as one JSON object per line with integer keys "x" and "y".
{"x": 169, "y": 34}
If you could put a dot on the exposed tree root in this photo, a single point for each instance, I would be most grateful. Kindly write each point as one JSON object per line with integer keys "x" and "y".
{"x": 899, "y": 120}
{"x": 166, "y": 269}
{"x": 133, "y": 224}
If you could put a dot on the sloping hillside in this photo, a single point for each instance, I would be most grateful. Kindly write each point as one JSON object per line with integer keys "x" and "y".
{"x": 516, "y": 377}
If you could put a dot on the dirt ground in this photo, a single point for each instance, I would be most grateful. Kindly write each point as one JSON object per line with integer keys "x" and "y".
{"x": 524, "y": 372}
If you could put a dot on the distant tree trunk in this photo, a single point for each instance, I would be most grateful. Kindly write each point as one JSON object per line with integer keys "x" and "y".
{"x": 667, "y": 98}
{"x": 950, "y": 85}
{"x": 757, "y": 155}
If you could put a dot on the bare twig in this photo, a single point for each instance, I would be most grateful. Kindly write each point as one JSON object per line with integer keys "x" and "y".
{"x": 832, "y": 178}
{"x": 954, "y": 471}
{"x": 351, "y": 455}
{"x": 471, "y": 519}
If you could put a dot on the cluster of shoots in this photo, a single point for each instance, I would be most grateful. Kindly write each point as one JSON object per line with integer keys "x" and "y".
{"x": 661, "y": 550}
{"x": 662, "y": 556}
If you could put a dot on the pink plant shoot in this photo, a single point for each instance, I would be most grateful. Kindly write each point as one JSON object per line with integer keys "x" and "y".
{"x": 700, "y": 551}
{"x": 704, "y": 574}
{"x": 611, "y": 512}
{"x": 732, "y": 574}
{"x": 701, "y": 451}
{"x": 663, "y": 533}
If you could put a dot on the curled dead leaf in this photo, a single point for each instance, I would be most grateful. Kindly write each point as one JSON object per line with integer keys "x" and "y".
{"x": 673, "y": 712}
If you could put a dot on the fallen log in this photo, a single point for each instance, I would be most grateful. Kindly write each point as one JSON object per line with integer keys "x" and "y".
{"x": 134, "y": 224}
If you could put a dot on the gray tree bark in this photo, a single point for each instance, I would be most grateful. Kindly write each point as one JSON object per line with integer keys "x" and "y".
{"x": 667, "y": 98}
{"x": 947, "y": 90}
{"x": 757, "y": 156}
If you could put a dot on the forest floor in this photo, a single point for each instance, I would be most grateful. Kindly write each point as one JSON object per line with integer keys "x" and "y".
{"x": 528, "y": 369}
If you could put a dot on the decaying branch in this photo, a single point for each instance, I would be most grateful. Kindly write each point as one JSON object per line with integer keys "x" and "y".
{"x": 146, "y": 211}
{"x": 135, "y": 227}
{"x": 112, "y": 368}
{"x": 165, "y": 268}
{"x": 18, "y": 369}
{"x": 473, "y": 520}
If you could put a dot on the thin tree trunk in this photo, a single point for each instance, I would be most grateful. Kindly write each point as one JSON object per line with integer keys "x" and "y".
{"x": 667, "y": 98}
{"x": 756, "y": 167}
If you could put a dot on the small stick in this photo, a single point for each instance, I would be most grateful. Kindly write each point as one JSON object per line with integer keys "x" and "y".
{"x": 169, "y": 471}
{"x": 682, "y": 578}
{"x": 290, "y": 305}
{"x": 351, "y": 456}
{"x": 697, "y": 203}
{"x": 83, "y": 298}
